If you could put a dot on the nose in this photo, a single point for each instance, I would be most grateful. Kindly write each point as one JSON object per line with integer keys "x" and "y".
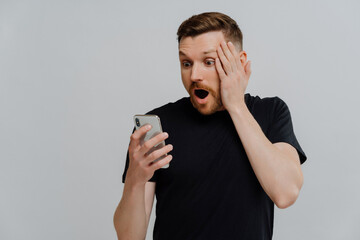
{"x": 196, "y": 73}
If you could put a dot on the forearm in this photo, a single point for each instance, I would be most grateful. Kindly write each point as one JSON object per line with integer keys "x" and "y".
{"x": 279, "y": 177}
{"x": 130, "y": 215}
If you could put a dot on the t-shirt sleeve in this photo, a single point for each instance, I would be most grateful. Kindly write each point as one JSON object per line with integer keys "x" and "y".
{"x": 281, "y": 128}
{"x": 153, "y": 179}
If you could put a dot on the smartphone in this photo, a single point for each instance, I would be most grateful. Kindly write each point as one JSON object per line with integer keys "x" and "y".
{"x": 154, "y": 121}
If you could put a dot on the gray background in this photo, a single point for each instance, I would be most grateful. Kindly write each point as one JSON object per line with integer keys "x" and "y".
{"x": 72, "y": 75}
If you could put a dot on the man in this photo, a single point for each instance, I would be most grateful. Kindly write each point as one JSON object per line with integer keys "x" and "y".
{"x": 232, "y": 157}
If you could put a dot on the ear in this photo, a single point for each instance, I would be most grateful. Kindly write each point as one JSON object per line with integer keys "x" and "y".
{"x": 243, "y": 58}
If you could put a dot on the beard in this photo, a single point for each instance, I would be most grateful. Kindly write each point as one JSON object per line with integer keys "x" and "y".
{"x": 213, "y": 104}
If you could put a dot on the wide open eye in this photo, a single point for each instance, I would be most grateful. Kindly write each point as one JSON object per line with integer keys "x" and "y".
{"x": 209, "y": 62}
{"x": 186, "y": 64}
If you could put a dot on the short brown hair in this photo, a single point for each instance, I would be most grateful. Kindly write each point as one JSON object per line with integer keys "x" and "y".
{"x": 211, "y": 21}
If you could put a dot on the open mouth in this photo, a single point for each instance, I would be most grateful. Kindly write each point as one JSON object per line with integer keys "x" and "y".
{"x": 201, "y": 93}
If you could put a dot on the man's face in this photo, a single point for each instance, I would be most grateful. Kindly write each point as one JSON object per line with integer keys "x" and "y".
{"x": 198, "y": 72}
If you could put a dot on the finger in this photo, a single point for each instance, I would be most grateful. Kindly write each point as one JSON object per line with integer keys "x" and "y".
{"x": 159, "y": 164}
{"x": 158, "y": 153}
{"x": 224, "y": 61}
{"x": 230, "y": 57}
{"x": 236, "y": 55}
{"x": 138, "y": 135}
{"x": 153, "y": 141}
{"x": 220, "y": 69}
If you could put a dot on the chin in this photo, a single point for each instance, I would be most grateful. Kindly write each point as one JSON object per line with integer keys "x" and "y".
{"x": 209, "y": 108}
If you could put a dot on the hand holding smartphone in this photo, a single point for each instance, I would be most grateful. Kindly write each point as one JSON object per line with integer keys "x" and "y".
{"x": 154, "y": 121}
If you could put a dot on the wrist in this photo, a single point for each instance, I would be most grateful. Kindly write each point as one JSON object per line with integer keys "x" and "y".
{"x": 238, "y": 109}
{"x": 131, "y": 183}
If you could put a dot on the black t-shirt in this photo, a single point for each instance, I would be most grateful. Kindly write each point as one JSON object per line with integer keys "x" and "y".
{"x": 210, "y": 190}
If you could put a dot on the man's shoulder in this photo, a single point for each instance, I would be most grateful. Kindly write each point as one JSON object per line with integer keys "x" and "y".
{"x": 257, "y": 101}
{"x": 170, "y": 107}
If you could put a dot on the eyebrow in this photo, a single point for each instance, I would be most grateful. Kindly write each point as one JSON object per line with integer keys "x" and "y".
{"x": 204, "y": 53}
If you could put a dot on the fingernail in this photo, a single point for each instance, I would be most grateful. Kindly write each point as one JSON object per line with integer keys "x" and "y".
{"x": 148, "y": 127}
{"x": 166, "y": 134}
